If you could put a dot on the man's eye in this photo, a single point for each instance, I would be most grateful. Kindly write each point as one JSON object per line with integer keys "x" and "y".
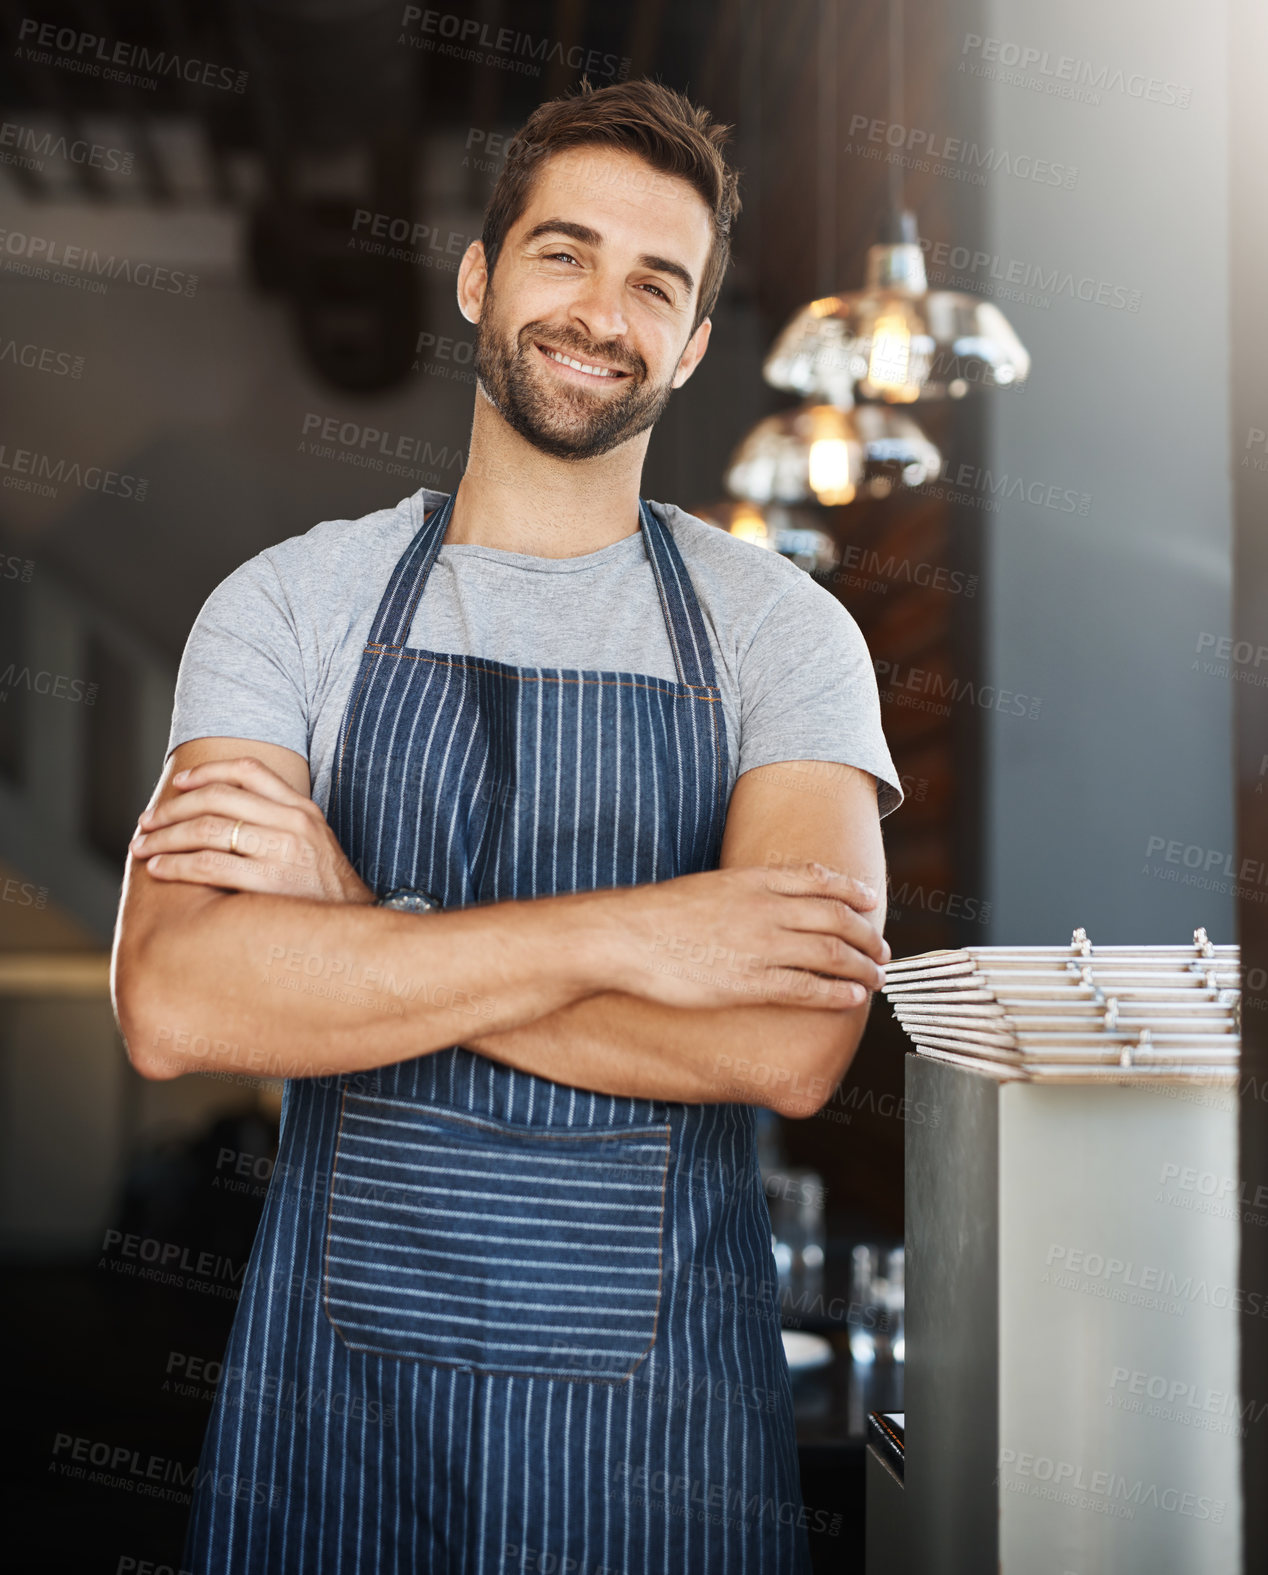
{"x": 567, "y": 256}
{"x": 658, "y": 291}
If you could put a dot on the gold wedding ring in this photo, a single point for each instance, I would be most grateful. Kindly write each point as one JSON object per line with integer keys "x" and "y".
{"x": 233, "y": 839}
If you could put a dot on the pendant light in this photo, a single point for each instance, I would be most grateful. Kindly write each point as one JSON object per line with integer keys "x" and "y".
{"x": 825, "y": 452}
{"x": 791, "y": 532}
{"x": 821, "y": 453}
{"x": 895, "y": 340}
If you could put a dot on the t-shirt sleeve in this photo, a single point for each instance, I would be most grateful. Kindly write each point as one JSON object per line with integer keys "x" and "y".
{"x": 809, "y": 692}
{"x": 242, "y": 671}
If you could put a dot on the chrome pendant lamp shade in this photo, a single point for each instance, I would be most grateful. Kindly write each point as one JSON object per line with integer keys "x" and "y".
{"x": 892, "y": 343}
{"x": 895, "y": 340}
{"x": 821, "y": 453}
{"x": 812, "y": 454}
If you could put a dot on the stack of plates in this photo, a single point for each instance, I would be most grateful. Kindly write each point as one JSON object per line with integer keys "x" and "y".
{"x": 1080, "y": 1011}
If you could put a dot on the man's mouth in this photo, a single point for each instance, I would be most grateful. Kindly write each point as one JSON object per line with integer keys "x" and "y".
{"x": 590, "y": 369}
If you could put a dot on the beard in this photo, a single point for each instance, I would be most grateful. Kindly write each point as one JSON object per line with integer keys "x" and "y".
{"x": 564, "y": 421}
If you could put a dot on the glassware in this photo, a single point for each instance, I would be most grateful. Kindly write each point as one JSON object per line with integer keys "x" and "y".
{"x": 895, "y": 1271}
{"x": 796, "y": 1200}
{"x": 866, "y": 1304}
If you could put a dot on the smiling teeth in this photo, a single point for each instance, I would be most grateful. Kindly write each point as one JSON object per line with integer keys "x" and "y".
{"x": 595, "y": 371}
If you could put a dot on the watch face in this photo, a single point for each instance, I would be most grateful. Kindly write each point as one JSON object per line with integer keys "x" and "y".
{"x": 408, "y": 901}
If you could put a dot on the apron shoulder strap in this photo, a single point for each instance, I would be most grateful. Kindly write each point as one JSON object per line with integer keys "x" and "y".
{"x": 684, "y": 618}
{"x": 395, "y": 616}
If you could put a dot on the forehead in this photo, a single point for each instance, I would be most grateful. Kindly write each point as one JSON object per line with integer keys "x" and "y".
{"x": 625, "y": 199}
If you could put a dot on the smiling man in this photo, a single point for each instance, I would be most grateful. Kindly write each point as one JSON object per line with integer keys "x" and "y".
{"x": 537, "y": 408}
{"x": 532, "y": 835}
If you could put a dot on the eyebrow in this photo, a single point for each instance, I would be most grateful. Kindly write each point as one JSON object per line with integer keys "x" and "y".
{"x": 585, "y": 236}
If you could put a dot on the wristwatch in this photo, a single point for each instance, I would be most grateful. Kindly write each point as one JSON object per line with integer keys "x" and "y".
{"x": 406, "y": 900}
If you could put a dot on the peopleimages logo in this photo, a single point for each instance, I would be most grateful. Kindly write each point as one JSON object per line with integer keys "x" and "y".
{"x": 407, "y": 240}
{"x": 1181, "y": 1399}
{"x": 935, "y": 900}
{"x": 925, "y": 682}
{"x": 27, "y": 470}
{"x": 155, "y": 1476}
{"x": 42, "y": 682}
{"x": 395, "y": 454}
{"x": 1239, "y": 660}
{"x": 715, "y": 1500}
{"x": 932, "y": 576}
{"x": 44, "y": 258}
{"x": 931, "y": 148}
{"x": 1201, "y": 861}
{"x": 962, "y": 265}
{"x": 41, "y": 358}
{"x": 492, "y": 147}
{"x": 1000, "y": 486}
{"x": 33, "y": 147}
{"x": 1120, "y": 1275}
{"x": 469, "y": 38}
{"x": 48, "y": 44}
{"x": 1103, "y": 1490}
{"x": 1066, "y": 74}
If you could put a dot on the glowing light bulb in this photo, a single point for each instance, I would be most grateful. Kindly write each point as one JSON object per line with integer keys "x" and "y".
{"x": 829, "y": 470}
{"x": 889, "y": 363}
{"x": 749, "y": 525}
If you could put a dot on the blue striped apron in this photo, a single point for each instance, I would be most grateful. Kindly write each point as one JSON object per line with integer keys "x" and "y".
{"x": 491, "y": 1322}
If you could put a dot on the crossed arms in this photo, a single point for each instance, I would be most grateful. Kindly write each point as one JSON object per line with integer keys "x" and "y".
{"x": 750, "y": 983}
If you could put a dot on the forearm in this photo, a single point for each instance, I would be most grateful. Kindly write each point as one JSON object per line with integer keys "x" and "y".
{"x": 290, "y": 987}
{"x": 786, "y": 1058}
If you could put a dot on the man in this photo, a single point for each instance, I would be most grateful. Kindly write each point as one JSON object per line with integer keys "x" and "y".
{"x": 532, "y": 834}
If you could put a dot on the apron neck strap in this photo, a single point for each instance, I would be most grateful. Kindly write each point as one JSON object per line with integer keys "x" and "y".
{"x": 684, "y": 620}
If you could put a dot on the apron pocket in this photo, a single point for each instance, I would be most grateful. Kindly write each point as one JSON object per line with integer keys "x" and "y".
{"x": 481, "y": 1244}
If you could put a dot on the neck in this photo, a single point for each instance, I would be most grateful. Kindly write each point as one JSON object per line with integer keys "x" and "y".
{"x": 515, "y": 498}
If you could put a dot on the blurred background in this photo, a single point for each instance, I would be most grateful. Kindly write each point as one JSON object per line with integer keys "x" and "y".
{"x": 229, "y": 238}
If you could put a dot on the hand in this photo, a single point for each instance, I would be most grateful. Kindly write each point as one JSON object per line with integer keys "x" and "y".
{"x": 284, "y": 844}
{"x": 746, "y": 935}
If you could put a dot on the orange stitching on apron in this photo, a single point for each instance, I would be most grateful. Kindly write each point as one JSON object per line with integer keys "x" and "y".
{"x": 347, "y": 731}
{"x": 406, "y": 653}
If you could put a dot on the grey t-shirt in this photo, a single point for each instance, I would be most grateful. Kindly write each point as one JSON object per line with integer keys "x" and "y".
{"x": 277, "y": 645}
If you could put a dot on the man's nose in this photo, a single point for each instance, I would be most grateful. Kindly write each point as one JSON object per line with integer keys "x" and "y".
{"x": 599, "y": 309}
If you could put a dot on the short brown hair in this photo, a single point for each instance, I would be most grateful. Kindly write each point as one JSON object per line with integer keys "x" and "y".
{"x": 662, "y": 127}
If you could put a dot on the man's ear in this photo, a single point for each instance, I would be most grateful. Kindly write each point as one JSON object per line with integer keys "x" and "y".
{"x": 473, "y": 281}
{"x": 691, "y": 356}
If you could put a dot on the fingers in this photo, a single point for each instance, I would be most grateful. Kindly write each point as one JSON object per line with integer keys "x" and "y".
{"x": 211, "y": 867}
{"x": 829, "y": 954}
{"x": 829, "y": 900}
{"x": 215, "y": 833}
{"x": 823, "y": 953}
{"x": 821, "y": 929}
{"x": 241, "y": 789}
{"x": 280, "y": 833}
{"x": 224, "y": 801}
{"x": 244, "y": 772}
{"x": 814, "y": 879}
{"x": 834, "y": 918}
{"x": 793, "y": 987}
